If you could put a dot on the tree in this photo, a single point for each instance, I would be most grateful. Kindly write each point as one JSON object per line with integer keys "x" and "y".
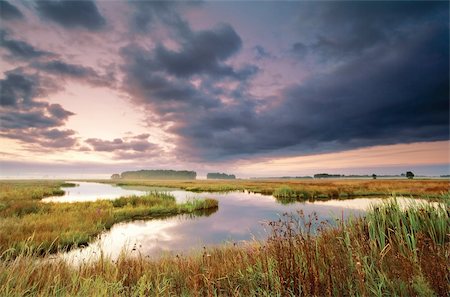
{"x": 159, "y": 174}
{"x": 409, "y": 174}
{"x": 218, "y": 175}
{"x": 115, "y": 176}
{"x": 374, "y": 176}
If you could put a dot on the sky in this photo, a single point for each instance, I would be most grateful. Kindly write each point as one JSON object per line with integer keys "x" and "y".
{"x": 254, "y": 88}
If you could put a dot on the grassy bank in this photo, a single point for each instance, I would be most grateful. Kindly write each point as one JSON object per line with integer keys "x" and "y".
{"x": 27, "y": 223}
{"x": 389, "y": 252}
{"x": 299, "y": 190}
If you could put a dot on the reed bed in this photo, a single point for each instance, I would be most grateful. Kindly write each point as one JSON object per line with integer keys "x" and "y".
{"x": 26, "y": 223}
{"x": 299, "y": 190}
{"x": 391, "y": 251}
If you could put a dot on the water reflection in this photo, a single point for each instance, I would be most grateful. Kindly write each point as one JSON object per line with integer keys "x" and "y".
{"x": 86, "y": 191}
{"x": 241, "y": 216}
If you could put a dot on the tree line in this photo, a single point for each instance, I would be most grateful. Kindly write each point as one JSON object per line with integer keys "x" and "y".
{"x": 156, "y": 174}
{"x": 217, "y": 175}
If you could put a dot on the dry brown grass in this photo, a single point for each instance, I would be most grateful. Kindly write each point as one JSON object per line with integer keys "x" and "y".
{"x": 26, "y": 222}
{"x": 341, "y": 261}
{"x": 314, "y": 189}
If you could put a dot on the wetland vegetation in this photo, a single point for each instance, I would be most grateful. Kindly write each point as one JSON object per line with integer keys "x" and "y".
{"x": 389, "y": 251}
{"x": 28, "y": 223}
{"x": 301, "y": 190}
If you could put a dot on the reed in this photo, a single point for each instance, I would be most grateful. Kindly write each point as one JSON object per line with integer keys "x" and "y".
{"x": 299, "y": 190}
{"x": 27, "y": 224}
{"x": 405, "y": 255}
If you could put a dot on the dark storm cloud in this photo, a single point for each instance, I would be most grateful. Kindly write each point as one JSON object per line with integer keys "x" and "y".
{"x": 45, "y": 139}
{"x": 165, "y": 96}
{"x": 29, "y": 120}
{"x": 396, "y": 92}
{"x": 72, "y": 14}
{"x": 145, "y": 13}
{"x": 347, "y": 29}
{"x": 62, "y": 68}
{"x": 137, "y": 143}
{"x": 261, "y": 53}
{"x": 9, "y": 11}
{"x": 74, "y": 71}
{"x": 202, "y": 52}
{"x": 20, "y": 49}
{"x": 135, "y": 147}
{"x": 155, "y": 88}
{"x": 176, "y": 83}
{"x": 58, "y": 111}
{"x": 17, "y": 87}
{"x": 160, "y": 77}
{"x": 299, "y": 49}
{"x": 37, "y": 131}
{"x": 44, "y": 116}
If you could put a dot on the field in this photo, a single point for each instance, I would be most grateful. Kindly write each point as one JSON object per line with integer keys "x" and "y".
{"x": 389, "y": 252}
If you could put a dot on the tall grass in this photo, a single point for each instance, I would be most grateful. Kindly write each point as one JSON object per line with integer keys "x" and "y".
{"x": 299, "y": 190}
{"x": 360, "y": 257}
{"x": 26, "y": 223}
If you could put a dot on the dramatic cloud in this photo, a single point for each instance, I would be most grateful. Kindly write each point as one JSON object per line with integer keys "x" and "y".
{"x": 40, "y": 116}
{"x": 396, "y": 93}
{"x": 261, "y": 53}
{"x": 361, "y": 27}
{"x": 222, "y": 81}
{"x": 44, "y": 139}
{"x": 155, "y": 89}
{"x": 201, "y": 53}
{"x": 29, "y": 120}
{"x": 72, "y": 14}
{"x": 9, "y": 11}
{"x": 135, "y": 147}
{"x": 158, "y": 77}
{"x": 20, "y": 49}
{"x": 299, "y": 49}
{"x": 146, "y": 13}
{"x": 87, "y": 74}
{"x": 18, "y": 88}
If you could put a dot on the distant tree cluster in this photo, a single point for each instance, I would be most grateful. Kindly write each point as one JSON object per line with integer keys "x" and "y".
{"x": 217, "y": 175}
{"x": 294, "y": 177}
{"x": 115, "y": 176}
{"x": 326, "y": 175}
{"x": 156, "y": 174}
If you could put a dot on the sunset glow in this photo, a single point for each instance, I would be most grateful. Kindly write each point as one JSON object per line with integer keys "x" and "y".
{"x": 256, "y": 89}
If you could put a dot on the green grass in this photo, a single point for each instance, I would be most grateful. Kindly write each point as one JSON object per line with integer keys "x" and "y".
{"x": 390, "y": 252}
{"x": 26, "y": 223}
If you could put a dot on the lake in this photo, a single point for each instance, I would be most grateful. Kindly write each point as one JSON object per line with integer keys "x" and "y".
{"x": 241, "y": 216}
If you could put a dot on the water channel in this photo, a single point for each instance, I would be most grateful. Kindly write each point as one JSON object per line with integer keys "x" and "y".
{"x": 240, "y": 217}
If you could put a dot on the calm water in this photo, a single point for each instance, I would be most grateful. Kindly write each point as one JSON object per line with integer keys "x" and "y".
{"x": 86, "y": 191}
{"x": 241, "y": 216}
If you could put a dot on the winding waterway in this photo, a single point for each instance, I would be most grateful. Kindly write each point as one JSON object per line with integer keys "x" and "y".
{"x": 241, "y": 216}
